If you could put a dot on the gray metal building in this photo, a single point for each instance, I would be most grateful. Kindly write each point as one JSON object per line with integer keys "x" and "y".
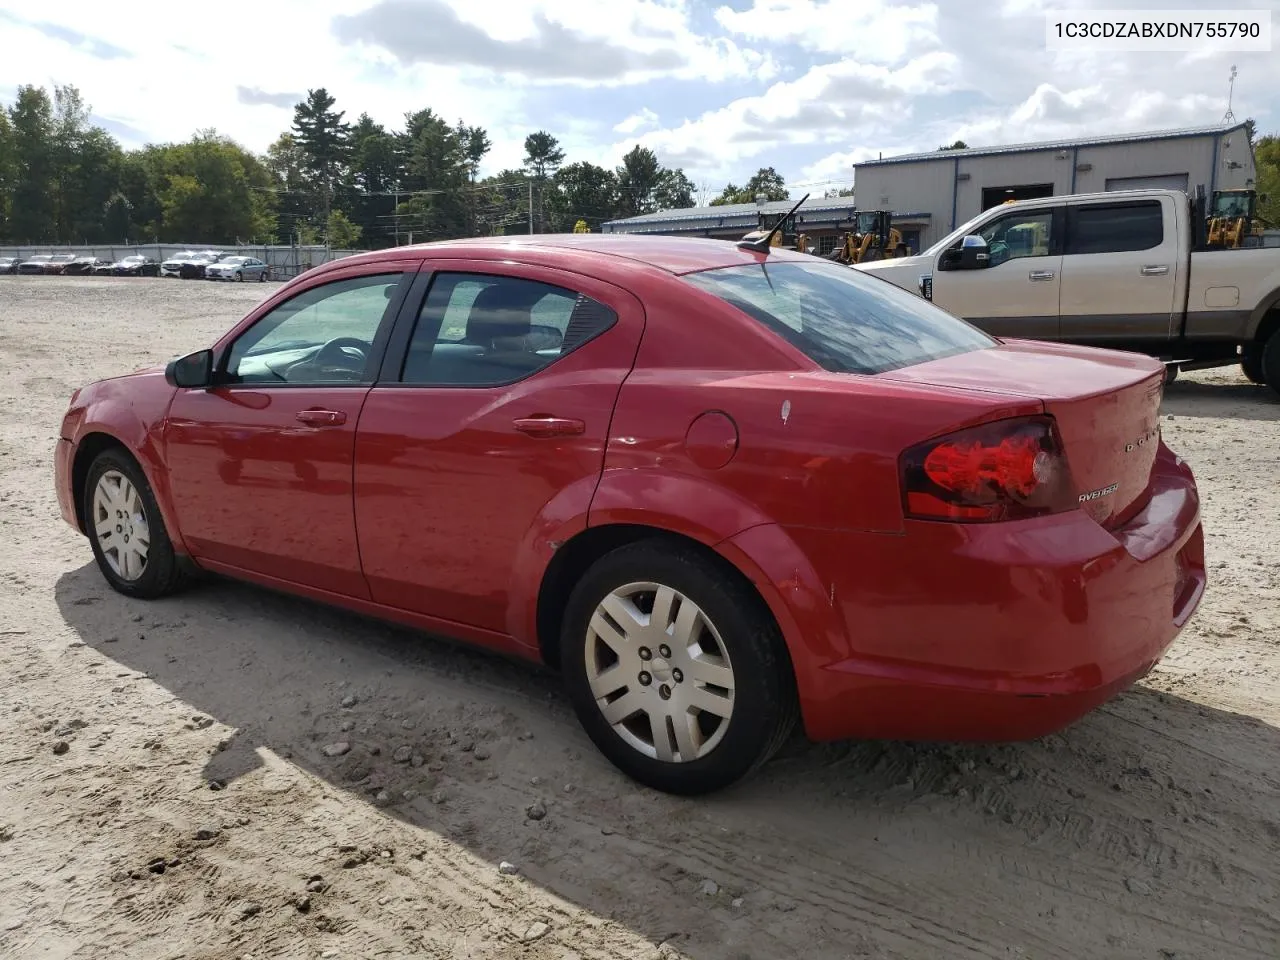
{"x": 822, "y": 219}
{"x": 951, "y": 186}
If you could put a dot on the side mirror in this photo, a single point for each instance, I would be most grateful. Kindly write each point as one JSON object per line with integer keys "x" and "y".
{"x": 973, "y": 254}
{"x": 193, "y": 370}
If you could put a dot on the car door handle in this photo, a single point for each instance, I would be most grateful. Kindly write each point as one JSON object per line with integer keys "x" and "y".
{"x": 549, "y": 426}
{"x": 321, "y": 418}
{"x": 1155, "y": 270}
{"x": 1041, "y": 274}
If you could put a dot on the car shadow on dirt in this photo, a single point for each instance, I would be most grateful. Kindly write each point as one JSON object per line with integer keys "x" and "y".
{"x": 1213, "y": 400}
{"x": 1144, "y": 823}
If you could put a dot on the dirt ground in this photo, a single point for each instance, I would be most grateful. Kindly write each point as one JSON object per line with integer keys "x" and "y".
{"x": 165, "y": 790}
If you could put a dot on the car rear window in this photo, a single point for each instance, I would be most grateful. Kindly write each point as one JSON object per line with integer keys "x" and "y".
{"x": 844, "y": 320}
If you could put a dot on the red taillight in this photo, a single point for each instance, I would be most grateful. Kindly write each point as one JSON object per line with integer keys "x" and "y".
{"x": 1006, "y": 470}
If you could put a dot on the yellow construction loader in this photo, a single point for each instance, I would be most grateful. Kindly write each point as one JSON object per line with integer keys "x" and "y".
{"x": 1233, "y": 219}
{"x": 873, "y": 239}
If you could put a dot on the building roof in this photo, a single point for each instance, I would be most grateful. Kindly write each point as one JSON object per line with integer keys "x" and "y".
{"x": 729, "y": 215}
{"x": 1181, "y": 133}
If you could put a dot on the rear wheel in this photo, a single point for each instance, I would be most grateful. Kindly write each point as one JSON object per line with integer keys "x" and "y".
{"x": 1170, "y": 372}
{"x": 1251, "y": 365}
{"x": 128, "y": 535}
{"x": 1271, "y": 362}
{"x": 676, "y": 669}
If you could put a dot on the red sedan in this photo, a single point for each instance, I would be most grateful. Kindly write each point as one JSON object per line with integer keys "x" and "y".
{"x": 719, "y": 488}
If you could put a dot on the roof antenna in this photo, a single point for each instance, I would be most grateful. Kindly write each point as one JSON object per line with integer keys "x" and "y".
{"x": 1230, "y": 117}
{"x": 762, "y": 244}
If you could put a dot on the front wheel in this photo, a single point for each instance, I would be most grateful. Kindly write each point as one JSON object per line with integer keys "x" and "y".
{"x": 128, "y": 535}
{"x": 676, "y": 669}
{"x": 239, "y": 277}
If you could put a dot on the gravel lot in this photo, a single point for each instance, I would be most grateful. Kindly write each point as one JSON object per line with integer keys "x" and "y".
{"x": 1150, "y": 829}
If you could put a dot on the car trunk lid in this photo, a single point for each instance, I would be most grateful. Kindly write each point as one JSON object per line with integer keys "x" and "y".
{"x": 1106, "y": 405}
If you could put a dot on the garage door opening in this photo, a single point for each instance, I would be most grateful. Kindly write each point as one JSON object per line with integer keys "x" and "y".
{"x": 994, "y": 196}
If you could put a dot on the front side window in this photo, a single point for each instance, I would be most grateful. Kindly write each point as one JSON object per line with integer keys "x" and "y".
{"x": 323, "y": 335}
{"x": 1115, "y": 227}
{"x": 842, "y": 319}
{"x": 1025, "y": 234}
{"x": 486, "y": 330}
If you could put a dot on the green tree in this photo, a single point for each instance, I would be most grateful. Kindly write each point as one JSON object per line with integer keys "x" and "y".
{"x": 542, "y": 155}
{"x": 766, "y": 180}
{"x": 436, "y": 173}
{"x": 639, "y": 178}
{"x": 582, "y": 191}
{"x": 8, "y": 175}
{"x": 323, "y": 138}
{"x": 213, "y": 190}
{"x": 32, "y": 217}
{"x": 342, "y": 234}
{"x": 957, "y": 145}
{"x": 674, "y": 191}
{"x": 1266, "y": 154}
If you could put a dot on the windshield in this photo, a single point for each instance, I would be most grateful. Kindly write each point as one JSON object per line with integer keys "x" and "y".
{"x": 842, "y": 319}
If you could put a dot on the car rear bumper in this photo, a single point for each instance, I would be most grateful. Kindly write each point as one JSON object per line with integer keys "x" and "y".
{"x": 998, "y": 632}
{"x": 63, "y": 457}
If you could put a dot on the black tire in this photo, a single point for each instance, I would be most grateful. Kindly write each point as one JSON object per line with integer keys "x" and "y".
{"x": 163, "y": 573}
{"x": 239, "y": 276}
{"x": 1170, "y": 373}
{"x": 765, "y": 707}
{"x": 1271, "y": 361}
{"x": 1251, "y": 365}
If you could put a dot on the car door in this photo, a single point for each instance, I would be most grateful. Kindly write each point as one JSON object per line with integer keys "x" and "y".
{"x": 1120, "y": 270}
{"x": 489, "y": 425}
{"x": 260, "y": 463}
{"x": 1016, "y": 295}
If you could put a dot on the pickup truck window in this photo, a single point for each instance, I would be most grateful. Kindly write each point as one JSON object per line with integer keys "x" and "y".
{"x": 1115, "y": 227}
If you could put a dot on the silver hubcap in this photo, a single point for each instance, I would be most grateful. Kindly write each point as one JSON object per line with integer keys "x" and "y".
{"x": 659, "y": 672}
{"x": 121, "y": 525}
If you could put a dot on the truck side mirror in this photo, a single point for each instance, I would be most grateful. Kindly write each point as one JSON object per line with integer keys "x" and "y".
{"x": 974, "y": 254}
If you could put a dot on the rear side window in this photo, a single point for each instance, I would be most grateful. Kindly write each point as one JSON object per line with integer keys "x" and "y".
{"x": 1115, "y": 227}
{"x": 842, "y": 319}
{"x": 485, "y": 330}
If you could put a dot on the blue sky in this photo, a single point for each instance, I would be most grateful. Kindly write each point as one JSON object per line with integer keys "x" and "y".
{"x": 718, "y": 87}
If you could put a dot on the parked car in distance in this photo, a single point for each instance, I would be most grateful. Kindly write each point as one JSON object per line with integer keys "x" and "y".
{"x": 172, "y": 266}
{"x": 59, "y": 261}
{"x": 1119, "y": 269}
{"x": 35, "y": 264}
{"x": 826, "y": 498}
{"x": 194, "y": 268}
{"x": 8, "y": 265}
{"x": 136, "y": 266}
{"x": 236, "y": 268}
{"x": 83, "y": 266}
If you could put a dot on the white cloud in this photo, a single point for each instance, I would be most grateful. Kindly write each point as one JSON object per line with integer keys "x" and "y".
{"x": 646, "y": 119}
{"x": 830, "y": 104}
{"x": 870, "y": 30}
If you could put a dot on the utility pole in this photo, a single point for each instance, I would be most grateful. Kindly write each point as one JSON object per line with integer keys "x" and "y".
{"x": 531, "y": 205}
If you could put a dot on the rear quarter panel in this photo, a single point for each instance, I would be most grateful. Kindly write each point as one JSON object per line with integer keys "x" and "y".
{"x": 1231, "y": 291}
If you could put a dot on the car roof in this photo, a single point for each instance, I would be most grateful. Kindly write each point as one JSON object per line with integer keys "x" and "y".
{"x": 675, "y": 255}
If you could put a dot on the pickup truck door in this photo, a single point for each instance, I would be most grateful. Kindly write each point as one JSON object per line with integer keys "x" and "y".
{"x": 1119, "y": 270}
{"x": 1017, "y": 295}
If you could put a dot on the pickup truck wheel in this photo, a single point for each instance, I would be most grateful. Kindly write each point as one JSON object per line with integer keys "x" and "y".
{"x": 1251, "y": 365}
{"x": 1170, "y": 373}
{"x": 1271, "y": 362}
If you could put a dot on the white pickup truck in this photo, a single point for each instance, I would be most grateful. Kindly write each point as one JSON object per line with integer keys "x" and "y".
{"x": 1125, "y": 270}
